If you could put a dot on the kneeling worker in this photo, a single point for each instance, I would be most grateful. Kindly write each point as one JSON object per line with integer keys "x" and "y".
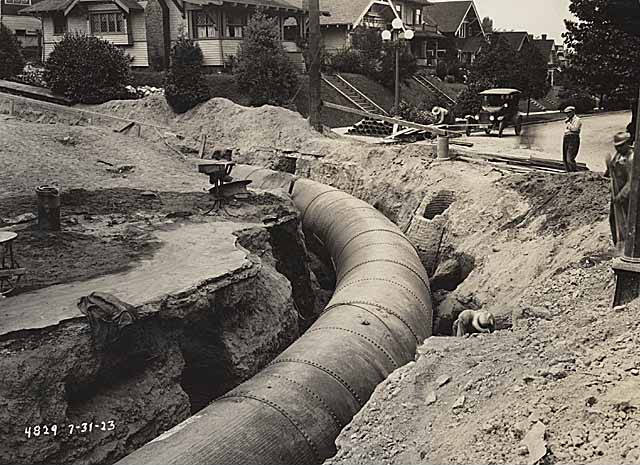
{"x": 442, "y": 115}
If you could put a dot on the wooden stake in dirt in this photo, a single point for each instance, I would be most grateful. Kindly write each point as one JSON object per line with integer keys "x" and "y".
{"x": 315, "y": 102}
{"x": 627, "y": 268}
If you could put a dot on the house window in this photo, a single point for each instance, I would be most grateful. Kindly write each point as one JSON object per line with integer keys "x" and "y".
{"x": 463, "y": 31}
{"x": 21, "y": 32}
{"x": 59, "y": 23}
{"x": 17, "y": 2}
{"x": 204, "y": 25}
{"x": 408, "y": 16}
{"x": 418, "y": 19}
{"x": 234, "y": 24}
{"x": 107, "y": 23}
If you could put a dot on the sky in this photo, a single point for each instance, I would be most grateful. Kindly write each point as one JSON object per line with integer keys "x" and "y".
{"x": 535, "y": 16}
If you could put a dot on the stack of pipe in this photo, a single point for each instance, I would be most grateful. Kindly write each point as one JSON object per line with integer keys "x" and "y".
{"x": 293, "y": 410}
{"x": 370, "y": 127}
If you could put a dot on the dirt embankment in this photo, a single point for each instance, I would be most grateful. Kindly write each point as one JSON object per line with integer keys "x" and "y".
{"x": 534, "y": 250}
{"x": 177, "y": 357}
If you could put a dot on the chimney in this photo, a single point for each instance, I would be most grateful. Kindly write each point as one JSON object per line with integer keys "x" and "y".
{"x": 544, "y": 37}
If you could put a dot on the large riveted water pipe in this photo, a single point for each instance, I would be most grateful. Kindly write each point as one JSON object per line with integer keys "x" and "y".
{"x": 293, "y": 410}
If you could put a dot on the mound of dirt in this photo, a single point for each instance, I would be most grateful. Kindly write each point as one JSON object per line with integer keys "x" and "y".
{"x": 579, "y": 199}
{"x": 246, "y": 128}
{"x": 153, "y": 109}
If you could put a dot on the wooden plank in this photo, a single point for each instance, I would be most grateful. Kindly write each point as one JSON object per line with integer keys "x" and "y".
{"x": 32, "y": 91}
{"x": 125, "y": 127}
{"x": 408, "y": 124}
{"x": 8, "y": 273}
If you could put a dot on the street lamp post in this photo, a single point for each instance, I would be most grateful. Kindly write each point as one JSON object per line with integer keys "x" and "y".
{"x": 387, "y": 35}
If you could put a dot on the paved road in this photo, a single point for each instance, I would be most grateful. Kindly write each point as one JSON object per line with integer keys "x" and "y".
{"x": 597, "y": 133}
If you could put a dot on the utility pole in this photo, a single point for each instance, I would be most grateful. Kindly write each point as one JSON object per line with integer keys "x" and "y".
{"x": 315, "y": 99}
{"x": 627, "y": 267}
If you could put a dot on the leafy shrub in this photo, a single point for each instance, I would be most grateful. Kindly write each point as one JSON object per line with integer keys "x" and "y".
{"x": 442, "y": 70}
{"x": 580, "y": 99}
{"x": 87, "y": 69}
{"x": 368, "y": 41}
{"x": 264, "y": 70}
{"x": 382, "y": 70}
{"x": 32, "y": 76}
{"x": 184, "y": 87}
{"x": 450, "y": 79}
{"x": 348, "y": 60}
{"x": 469, "y": 102}
{"x": 147, "y": 78}
{"x": 420, "y": 114}
{"x": 11, "y": 59}
{"x": 620, "y": 99}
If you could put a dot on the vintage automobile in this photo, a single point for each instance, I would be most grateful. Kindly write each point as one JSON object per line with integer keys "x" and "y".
{"x": 499, "y": 110}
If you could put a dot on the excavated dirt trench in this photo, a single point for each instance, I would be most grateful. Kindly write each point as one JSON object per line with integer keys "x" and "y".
{"x": 171, "y": 363}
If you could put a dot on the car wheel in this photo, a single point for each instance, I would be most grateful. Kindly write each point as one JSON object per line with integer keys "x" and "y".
{"x": 468, "y": 130}
{"x": 487, "y": 130}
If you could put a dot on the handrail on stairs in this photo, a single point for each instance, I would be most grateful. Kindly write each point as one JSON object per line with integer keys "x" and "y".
{"x": 382, "y": 110}
{"x": 424, "y": 82}
{"x": 337, "y": 89}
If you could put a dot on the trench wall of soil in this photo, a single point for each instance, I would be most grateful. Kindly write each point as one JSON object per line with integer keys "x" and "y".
{"x": 173, "y": 362}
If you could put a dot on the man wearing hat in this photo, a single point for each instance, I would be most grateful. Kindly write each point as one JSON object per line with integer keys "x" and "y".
{"x": 619, "y": 166}
{"x": 442, "y": 115}
{"x": 571, "y": 141}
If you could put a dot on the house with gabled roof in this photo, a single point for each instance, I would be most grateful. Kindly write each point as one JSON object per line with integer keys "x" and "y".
{"x": 515, "y": 39}
{"x": 146, "y": 29}
{"x": 346, "y": 16}
{"x": 547, "y": 48}
{"x": 459, "y": 21}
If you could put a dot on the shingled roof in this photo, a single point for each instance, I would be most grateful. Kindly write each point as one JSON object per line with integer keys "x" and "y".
{"x": 545, "y": 47}
{"x": 448, "y": 15}
{"x": 514, "y": 38}
{"x": 62, "y": 5}
{"x": 348, "y": 11}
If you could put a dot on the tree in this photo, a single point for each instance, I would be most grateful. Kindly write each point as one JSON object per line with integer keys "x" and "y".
{"x": 532, "y": 73}
{"x": 264, "y": 70}
{"x": 496, "y": 64}
{"x": 11, "y": 60}
{"x": 184, "y": 87}
{"x": 382, "y": 69}
{"x": 87, "y": 69}
{"x": 487, "y": 25}
{"x": 368, "y": 41}
{"x": 604, "y": 56}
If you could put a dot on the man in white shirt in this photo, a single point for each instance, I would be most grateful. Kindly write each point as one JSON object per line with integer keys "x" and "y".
{"x": 571, "y": 141}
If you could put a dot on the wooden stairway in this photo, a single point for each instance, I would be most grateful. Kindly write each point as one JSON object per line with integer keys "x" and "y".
{"x": 431, "y": 88}
{"x": 352, "y": 94}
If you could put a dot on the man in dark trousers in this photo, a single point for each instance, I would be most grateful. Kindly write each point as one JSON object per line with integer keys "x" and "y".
{"x": 619, "y": 167}
{"x": 571, "y": 140}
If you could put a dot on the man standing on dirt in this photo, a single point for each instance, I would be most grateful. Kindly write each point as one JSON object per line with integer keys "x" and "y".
{"x": 619, "y": 167}
{"x": 571, "y": 141}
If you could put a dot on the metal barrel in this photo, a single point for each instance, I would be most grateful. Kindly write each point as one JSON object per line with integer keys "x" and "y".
{"x": 293, "y": 410}
{"x": 48, "y": 199}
